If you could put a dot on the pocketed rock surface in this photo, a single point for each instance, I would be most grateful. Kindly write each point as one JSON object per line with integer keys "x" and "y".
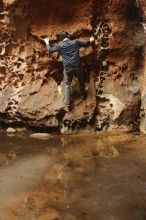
{"x": 31, "y": 80}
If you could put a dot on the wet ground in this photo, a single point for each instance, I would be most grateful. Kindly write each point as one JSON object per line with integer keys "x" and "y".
{"x": 79, "y": 177}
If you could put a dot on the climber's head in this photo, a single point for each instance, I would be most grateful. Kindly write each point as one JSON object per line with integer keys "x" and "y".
{"x": 62, "y": 36}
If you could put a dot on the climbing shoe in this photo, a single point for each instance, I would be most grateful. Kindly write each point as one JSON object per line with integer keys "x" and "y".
{"x": 67, "y": 108}
{"x": 84, "y": 97}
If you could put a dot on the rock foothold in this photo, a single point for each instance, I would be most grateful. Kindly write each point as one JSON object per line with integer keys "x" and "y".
{"x": 41, "y": 135}
{"x": 10, "y": 130}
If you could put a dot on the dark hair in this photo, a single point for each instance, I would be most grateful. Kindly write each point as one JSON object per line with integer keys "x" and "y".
{"x": 61, "y": 37}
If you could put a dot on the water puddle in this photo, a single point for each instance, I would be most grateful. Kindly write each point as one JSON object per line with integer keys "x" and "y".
{"x": 79, "y": 177}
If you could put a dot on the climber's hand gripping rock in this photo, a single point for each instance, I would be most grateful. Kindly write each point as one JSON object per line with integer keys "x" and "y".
{"x": 47, "y": 40}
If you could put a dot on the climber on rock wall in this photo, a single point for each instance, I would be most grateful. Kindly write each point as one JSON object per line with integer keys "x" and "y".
{"x": 69, "y": 50}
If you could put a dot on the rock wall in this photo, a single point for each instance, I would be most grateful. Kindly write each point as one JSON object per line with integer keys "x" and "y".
{"x": 31, "y": 80}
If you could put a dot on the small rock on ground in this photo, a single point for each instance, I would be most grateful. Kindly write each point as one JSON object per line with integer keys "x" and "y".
{"x": 41, "y": 135}
{"x": 10, "y": 130}
{"x": 21, "y": 129}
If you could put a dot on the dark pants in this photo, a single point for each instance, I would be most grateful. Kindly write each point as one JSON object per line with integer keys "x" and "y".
{"x": 68, "y": 76}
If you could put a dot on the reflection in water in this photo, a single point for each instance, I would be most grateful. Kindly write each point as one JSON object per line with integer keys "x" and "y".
{"x": 73, "y": 178}
{"x": 107, "y": 148}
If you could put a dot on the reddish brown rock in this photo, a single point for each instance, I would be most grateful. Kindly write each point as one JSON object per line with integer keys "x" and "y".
{"x": 31, "y": 80}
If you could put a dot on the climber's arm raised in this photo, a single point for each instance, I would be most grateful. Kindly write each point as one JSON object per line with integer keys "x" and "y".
{"x": 86, "y": 43}
{"x": 51, "y": 49}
